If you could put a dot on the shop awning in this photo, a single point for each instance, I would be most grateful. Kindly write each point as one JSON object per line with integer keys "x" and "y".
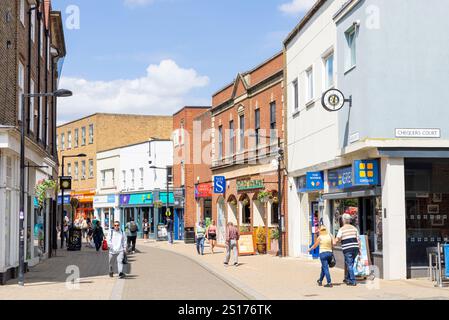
{"x": 354, "y": 194}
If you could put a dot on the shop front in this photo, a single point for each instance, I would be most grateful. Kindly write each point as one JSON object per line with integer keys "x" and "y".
{"x": 203, "y": 197}
{"x": 427, "y": 210}
{"x": 138, "y": 206}
{"x": 85, "y": 204}
{"x": 355, "y": 190}
{"x": 106, "y": 210}
{"x": 178, "y": 212}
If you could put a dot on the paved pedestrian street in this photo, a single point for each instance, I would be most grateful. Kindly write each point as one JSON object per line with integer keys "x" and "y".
{"x": 162, "y": 271}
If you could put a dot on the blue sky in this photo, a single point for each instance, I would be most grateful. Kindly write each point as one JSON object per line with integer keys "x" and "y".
{"x": 154, "y": 56}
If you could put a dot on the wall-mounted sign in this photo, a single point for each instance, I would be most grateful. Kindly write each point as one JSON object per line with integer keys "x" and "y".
{"x": 315, "y": 181}
{"x": 104, "y": 199}
{"x": 84, "y": 197}
{"x": 250, "y": 185}
{"x": 418, "y": 133}
{"x": 366, "y": 172}
{"x": 203, "y": 190}
{"x": 219, "y": 185}
{"x": 66, "y": 200}
{"x": 340, "y": 178}
{"x": 136, "y": 199}
{"x": 333, "y": 100}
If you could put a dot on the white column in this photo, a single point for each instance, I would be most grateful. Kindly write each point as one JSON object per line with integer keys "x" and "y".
{"x": 394, "y": 230}
{"x": 294, "y": 220}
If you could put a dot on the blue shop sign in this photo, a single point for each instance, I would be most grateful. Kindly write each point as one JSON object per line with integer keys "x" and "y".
{"x": 340, "y": 178}
{"x": 311, "y": 182}
{"x": 66, "y": 199}
{"x": 219, "y": 184}
{"x": 366, "y": 172}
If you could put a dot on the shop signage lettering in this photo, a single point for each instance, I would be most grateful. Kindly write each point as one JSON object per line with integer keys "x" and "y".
{"x": 203, "y": 190}
{"x": 366, "y": 172}
{"x": 315, "y": 181}
{"x": 219, "y": 185}
{"x": 163, "y": 197}
{"x": 418, "y": 133}
{"x": 250, "y": 184}
{"x": 340, "y": 178}
{"x": 104, "y": 199}
{"x": 136, "y": 199}
{"x": 66, "y": 200}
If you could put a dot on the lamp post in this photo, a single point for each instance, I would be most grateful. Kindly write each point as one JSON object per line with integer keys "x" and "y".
{"x": 56, "y": 94}
{"x": 168, "y": 201}
{"x": 81, "y": 155}
{"x": 280, "y": 155}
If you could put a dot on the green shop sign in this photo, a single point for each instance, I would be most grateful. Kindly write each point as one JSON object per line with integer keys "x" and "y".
{"x": 250, "y": 184}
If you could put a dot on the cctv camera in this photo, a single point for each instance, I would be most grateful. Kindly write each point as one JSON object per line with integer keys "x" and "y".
{"x": 150, "y": 162}
{"x": 356, "y": 23}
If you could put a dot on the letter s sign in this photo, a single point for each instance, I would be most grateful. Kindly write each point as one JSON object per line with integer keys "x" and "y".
{"x": 219, "y": 184}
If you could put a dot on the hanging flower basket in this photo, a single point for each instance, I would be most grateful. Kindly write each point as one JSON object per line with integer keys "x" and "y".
{"x": 233, "y": 202}
{"x": 275, "y": 200}
{"x": 245, "y": 202}
{"x": 44, "y": 189}
{"x": 264, "y": 196}
{"x": 158, "y": 204}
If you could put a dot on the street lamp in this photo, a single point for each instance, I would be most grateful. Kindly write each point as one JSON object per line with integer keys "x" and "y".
{"x": 81, "y": 155}
{"x": 57, "y": 93}
{"x": 280, "y": 156}
{"x": 168, "y": 202}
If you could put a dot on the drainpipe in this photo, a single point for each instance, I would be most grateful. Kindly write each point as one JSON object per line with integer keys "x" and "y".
{"x": 39, "y": 21}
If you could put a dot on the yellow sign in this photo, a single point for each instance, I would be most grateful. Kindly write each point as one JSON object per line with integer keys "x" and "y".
{"x": 246, "y": 244}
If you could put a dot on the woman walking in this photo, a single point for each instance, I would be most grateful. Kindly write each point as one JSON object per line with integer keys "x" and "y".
{"x": 146, "y": 229}
{"x": 324, "y": 240}
{"x": 211, "y": 235}
{"x": 200, "y": 232}
{"x": 98, "y": 236}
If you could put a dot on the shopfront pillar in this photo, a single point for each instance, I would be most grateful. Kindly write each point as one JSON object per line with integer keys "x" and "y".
{"x": 393, "y": 225}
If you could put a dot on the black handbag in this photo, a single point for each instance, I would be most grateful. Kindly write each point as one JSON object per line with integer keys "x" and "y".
{"x": 125, "y": 259}
{"x": 332, "y": 261}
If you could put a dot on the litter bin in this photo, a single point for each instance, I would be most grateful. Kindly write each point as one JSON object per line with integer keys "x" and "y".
{"x": 74, "y": 240}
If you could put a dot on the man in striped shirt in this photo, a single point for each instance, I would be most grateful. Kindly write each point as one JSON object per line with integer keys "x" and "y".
{"x": 348, "y": 235}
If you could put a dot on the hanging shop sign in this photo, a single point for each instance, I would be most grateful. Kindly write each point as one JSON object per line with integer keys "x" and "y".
{"x": 219, "y": 184}
{"x": 136, "y": 199}
{"x": 333, "y": 100}
{"x": 66, "y": 200}
{"x": 366, "y": 172}
{"x": 250, "y": 185}
{"x": 203, "y": 190}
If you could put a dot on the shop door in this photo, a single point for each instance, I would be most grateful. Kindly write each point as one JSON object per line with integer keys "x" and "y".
{"x": 314, "y": 225}
{"x": 152, "y": 234}
{"x": 367, "y": 220}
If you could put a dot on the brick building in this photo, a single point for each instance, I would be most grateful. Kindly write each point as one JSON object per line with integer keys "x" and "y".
{"x": 31, "y": 47}
{"x": 247, "y": 119}
{"x": 99, "y": 132}
{"x": 189, "y": 168}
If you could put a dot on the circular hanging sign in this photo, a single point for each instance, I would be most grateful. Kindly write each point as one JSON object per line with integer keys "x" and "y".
{"x": 333, "y": 100}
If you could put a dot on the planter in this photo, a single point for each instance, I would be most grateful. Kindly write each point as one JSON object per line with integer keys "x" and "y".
{"x": 262, "y": 248}
{"x": 274, "y": 247}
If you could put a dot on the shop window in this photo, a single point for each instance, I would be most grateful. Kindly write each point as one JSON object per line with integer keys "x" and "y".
{"x": 246, "y": 214}
{"x": 274, "y": 213}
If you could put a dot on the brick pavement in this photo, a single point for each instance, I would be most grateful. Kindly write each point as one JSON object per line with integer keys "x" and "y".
{"x": 268, "y": 277}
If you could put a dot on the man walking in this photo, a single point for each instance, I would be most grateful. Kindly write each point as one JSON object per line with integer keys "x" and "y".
{"x": 232, "y": 237}
{"x": 131, "y": 233}
{"x": 350, "y": 243}
{"x": 117, "y": 247}
{"x": 169, "y": 226}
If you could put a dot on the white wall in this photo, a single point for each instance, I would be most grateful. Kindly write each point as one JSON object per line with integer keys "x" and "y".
{"x": 108, "y": 160}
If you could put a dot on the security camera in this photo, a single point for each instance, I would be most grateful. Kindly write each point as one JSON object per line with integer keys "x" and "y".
{"x": 356, "y": 23}
{"x": 150, "y": 162}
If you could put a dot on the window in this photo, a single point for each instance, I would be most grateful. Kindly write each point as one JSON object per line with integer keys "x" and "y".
{"x": 242, "y": 132}
{"x": 21, "y": 85}
{"x": 41, "y": 38}
{"x": 309, "y": 82}
{"x": 132, "y": 178}
{"x": 57, "y": 142}
{"x": 231, "y": 138}
{"x": 103, "y": 178}
{"x": 350, "y": 52}
{"x": 76, "y": 138}
{"x": 47, "y": 129}
{"x": 274, "y": 213}
{"x": 91, "y": 168}
{"x": 76, "y": 171}
{"x": 141, "y": 177}
{"x": 220, "y": 142}
{"x": 83, "y": 169}
{"x": 183, "y": 174}
{"x": 69, "y": 140}
{"x": 22, "y": 11}
{"x": 273, "y": 133}
{"x": 41, "y": 119}
{"x": 83, "y": 136}
{"x": 329, "y": 71}
{"x": 296, "y": 95}
{"x": 48, "y": 51}
{"x": 91, "y": 133}
{"x": 33, "y": 25}
{"x": 124, "y": 179}
{"x": 62, "y": 141}
{"x": 31, "y": 113}
{"x": 257, "y": 125}
{"x": 69, "y": 169}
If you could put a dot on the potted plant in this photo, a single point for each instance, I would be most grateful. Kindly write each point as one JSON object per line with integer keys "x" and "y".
{"x": 233, "y": 202}
{"x": 264, "y": 196}
{"x": 274, "y": 236}
{"x": 245, "y": 229}
{"x": 245, "y": 202}
{"x": 275, "y": 200}
{"x": 158, "y": 204}
{"x": 261, "y": 240}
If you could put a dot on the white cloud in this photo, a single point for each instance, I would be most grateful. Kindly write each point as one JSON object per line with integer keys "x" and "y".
{"x": 165, "y": 88}
{"x": 297, "y": 6}
{"x": 136, "y": 3}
